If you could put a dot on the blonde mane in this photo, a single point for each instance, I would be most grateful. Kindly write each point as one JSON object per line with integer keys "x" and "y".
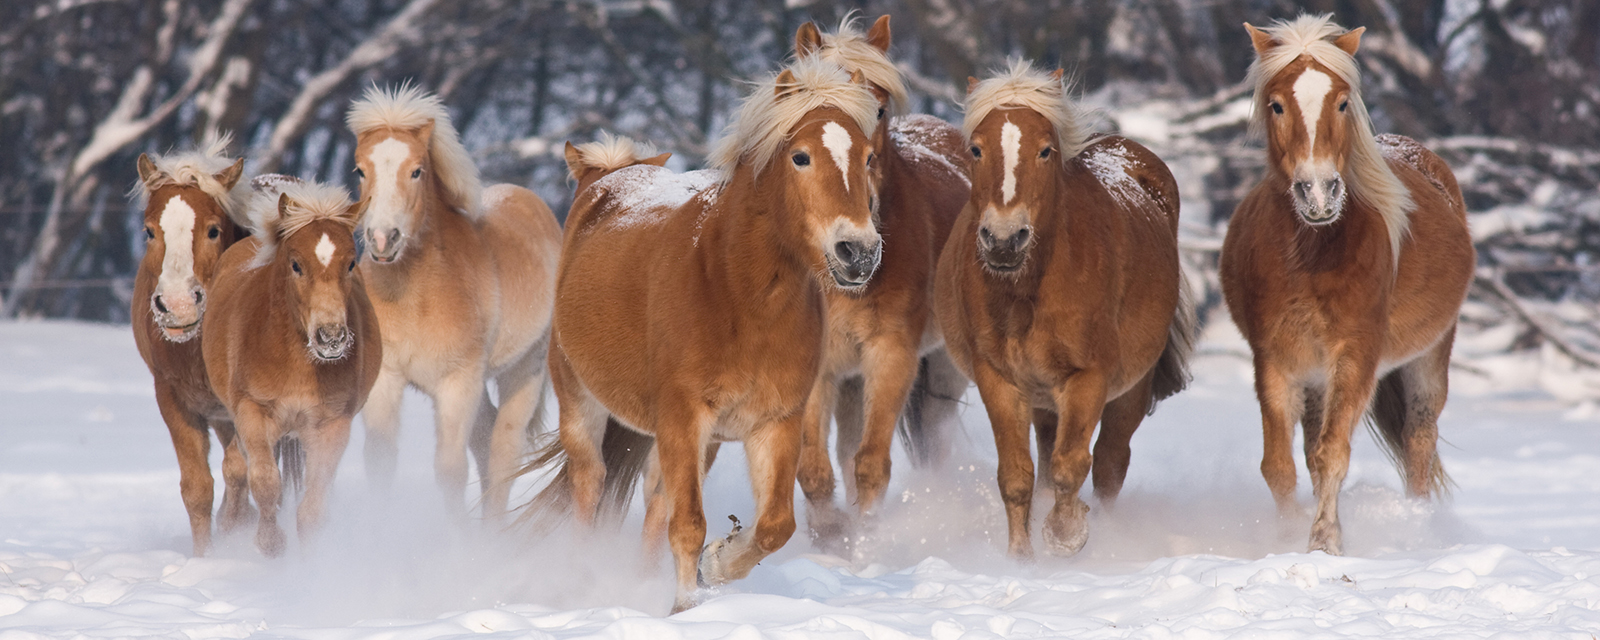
{"x": 1022, "y": 85}
{"x": 199, "y": 168}
{"x": 610, "y": 153}
{"x": 764, "y": 119}
{"x": 408, "y": 107}
{"x": 1367, "y": 173}
{"x": 848, "y": 48}
{"x": 308, "y": 203}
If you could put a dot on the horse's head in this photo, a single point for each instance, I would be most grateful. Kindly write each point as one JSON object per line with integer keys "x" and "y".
{"x": 311, "y": 244}
{"x": 393, "y": 164}
{"x": 864, "y": 53}
{"x": 410, "y": 161}
{"x": 1022, "y": 129}
{"x": 186, "y": 228}
{"x": 1310, "y": 113}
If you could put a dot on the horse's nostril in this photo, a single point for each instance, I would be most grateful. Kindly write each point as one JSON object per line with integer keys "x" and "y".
{"x": 846, "y": 251}
{"x": 1303, "y": 189}
{"x": 199, "y": 296}
{"x": 394, "y": 236}
{"x": 986, "y": 236}
{"x": 159, "y": 305}
{"x": 1021, "y": 238}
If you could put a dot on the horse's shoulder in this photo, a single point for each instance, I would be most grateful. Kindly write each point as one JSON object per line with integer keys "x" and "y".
{"x": 643, "y": 195}
{"x": 929, "y": 132}
{"x": 1130, "y": 172}
{"x": 1404, "y": 154}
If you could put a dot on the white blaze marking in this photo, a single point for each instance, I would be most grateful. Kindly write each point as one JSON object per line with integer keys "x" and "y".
{"x": 1309, "y": 90}
{"x": 837, "y": 140}
{"x": 177, "y": 233}
{"x": 1010, "y": 149}
{"x": 386, "y": 156}
{"x": 325, "y": 250}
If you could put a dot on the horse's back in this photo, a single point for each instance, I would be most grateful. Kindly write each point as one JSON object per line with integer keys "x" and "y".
{"x": 937, "y": 153}
{"x": 1111, "y": 157}
{"x": 524, "y": 241}
{"x": 1437, "y": 257}
{"x": 1404, "y": 153}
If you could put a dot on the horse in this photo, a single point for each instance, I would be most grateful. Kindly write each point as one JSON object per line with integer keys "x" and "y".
{"x": 462, "y": 278}
{"x": 877, "y": 336}
{"x": 1060, "y": 292}
{"x": 292, "y": 346}
{"x": 690, "y": 309}
{"x": 1344, "y": 268}
{"x": 194, "y": 209}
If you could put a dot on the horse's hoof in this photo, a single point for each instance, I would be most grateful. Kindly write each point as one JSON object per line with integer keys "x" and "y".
{"x": 271, "y": 541}
{"x": 829, "y": 529}
{"x": 1329, "y": 544}
{"x": 711, "y": 571}
{"x": 1066, "y": 529}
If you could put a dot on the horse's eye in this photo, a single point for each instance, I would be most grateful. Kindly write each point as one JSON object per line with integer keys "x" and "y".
{"x": 880, "y": 113}
{"x": 416, "y": 173}
{"x": 295, "y": 264}
{"x": 1342, "y": 105}
{"x": 1277, "y": 108}
{"x": 213, "y": 232}
{"x": 1045, "y": 154}
{"x": 976, "y": 152}
{"x": 149, "y": 234}
{"x": 801, "y": 159}
{"x": 352, "y": 266}
{"x": 870, "y": 158}
{"x": 361, "y": 174}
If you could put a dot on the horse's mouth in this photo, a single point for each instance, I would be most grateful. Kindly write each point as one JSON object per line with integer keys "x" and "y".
{"x": 324, "y": 353}
{"x": 183, "y": 333}
{"x": 389, "y": 259}
{"x": 1003, "y": 268}
{"x": 844, "y": 281}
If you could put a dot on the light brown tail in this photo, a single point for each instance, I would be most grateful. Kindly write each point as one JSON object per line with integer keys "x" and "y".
{"x": 625, "y": 453}
{"x": 1172, "y": 369}
{"x": 1387, "y": 420}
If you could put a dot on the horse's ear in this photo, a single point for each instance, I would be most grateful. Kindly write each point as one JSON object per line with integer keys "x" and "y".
{"x": 657, "y": 161}
{"x": 879, "y": 36}
{"x": 856, "y": 77}
{"x": 147, "y": 170}
{"x": 270, "y": 226}
{"x": 426, "y": 132}
{"x": 1263, "y": 41}
{"x": 1057, "y": 74}
{"x": 807, "y": 40}
{"x": 230, "y": 176}
{"x": 785, "y": 84}
{"x": 575, "y": 163}
{"x": 1350, "y": 41}
{"x": 972, "y": 83}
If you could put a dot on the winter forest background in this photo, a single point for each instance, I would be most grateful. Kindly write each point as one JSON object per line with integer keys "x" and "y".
{"x": 1508, "y": 91}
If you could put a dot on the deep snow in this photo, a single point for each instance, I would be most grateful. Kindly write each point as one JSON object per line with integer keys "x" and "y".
{"x": 94, "y": 540}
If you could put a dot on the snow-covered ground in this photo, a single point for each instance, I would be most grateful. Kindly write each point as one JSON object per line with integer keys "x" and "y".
{"x": 94, "y": 540}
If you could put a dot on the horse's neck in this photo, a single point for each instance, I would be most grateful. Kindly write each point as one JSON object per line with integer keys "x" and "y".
{"x": 747, "y": 249}
{"x": 1334, "y": 247}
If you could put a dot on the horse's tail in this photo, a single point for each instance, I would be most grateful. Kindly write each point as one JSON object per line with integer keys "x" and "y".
{"x": 625, "y": 453}
{"x": 930, "y": 409}
{"x": 1388, "y": 424}
{"x": 1172, "y": 368}
{"x": 291, "y": 464}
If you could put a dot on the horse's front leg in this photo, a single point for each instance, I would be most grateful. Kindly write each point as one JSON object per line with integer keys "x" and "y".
{"x": 823, "y": 517}
{"x": 773, "y": 453}
{"x": 1350, "y": 386}
{"x": 889, "y": 366}
{"x": 324, "y": 445}
{"x": 520, "y": 389}
{"x": 457, "y": 402}
{"x": 381, "y": 419}
{"x": 681, "y": 435}
{"x": 1079, "y": 403}
{"x": 235, "y": 510}
{"x": 1009, "y": 417}
{"x": 258, "y": 432}
{"x": 1282, "y": 402}
{"x": 193, "y": 446}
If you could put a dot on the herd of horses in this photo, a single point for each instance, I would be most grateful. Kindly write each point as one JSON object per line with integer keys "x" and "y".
{"x": 839, "y": 262}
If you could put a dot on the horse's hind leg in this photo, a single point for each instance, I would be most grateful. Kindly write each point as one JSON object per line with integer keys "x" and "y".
{"x": 888, "y": 367}
{"x": 193, "y": 446}
{"x": 850, "y": 414}
{"x": 478, "y": 444}
{"x": 773, "y": 452}
{"x": 1118, "y": 421}
{"x": 939, "y": 408}
{"x": 323, "y": 446}
{"x": 380, "y": 417}
{"x": 258, "y": 434}
{"x": 1426, "y": 384}
{"x": 1079, "y": 403}
{"x": 235, "y": 510}
{"x": 824, "y": 518}
{"x": 520, "y": 390}
{"x": 582, "y": 428}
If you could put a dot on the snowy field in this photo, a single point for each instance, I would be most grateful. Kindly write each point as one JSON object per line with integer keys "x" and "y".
{"x": 94, "y": 540}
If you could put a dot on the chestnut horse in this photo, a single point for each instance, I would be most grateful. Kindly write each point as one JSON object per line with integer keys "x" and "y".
{"x": 689, "y": 308}
{"x": 877, "y": 335}
{"x": 1060, "y": 294}
{"x": 462, "y": 279}
{"x": 1345, "y": 269}
{"x": 291, "y": 344}
{"x": 194, "y": 210}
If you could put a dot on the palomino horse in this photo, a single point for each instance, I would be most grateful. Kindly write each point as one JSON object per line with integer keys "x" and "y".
{"x": 689, "y": 307}
{"x": 462, "y": 282}
{"x": 291, "y": 344}
{"x": 878, "y": 333}
{"x": 194, "y": 210}
{"x": 1345, "y": 269}
{"x": 1061, "y": 294}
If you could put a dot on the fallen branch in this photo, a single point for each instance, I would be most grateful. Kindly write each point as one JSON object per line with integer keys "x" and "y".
{"x": 1514, "y": 304}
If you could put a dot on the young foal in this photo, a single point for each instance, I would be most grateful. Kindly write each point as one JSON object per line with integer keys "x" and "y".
{"x": 1060, "y": 292}
{"x": 462, "y": 288}
{"x": 878, "y": 334}
{"x": 1345, "y": 269}
{"x": 689, "y": 307}
{"x": 194, "y": 210}
{"x": 291, "y": 343}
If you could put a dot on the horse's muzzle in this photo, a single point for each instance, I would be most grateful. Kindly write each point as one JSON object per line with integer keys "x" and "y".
{"x": 385, "y": 246}
{"x": 1319, "y": 202}
{"x": 332, "y": 342}
{"x": 853, "y": 262}
{"x": 1004, "y": 255}
{"x": 179, "y": 318}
